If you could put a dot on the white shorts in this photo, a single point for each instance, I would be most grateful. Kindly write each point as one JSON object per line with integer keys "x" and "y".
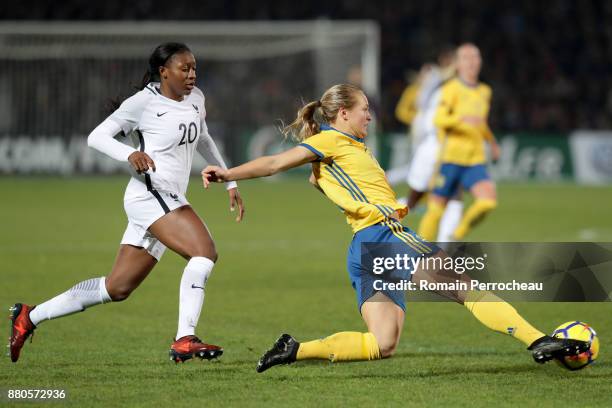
{"x": 144, "y": 210}
{"x": 423, "y": 165}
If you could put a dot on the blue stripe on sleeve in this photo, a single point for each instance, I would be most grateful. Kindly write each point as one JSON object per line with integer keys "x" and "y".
{"x": 312, "y": 149}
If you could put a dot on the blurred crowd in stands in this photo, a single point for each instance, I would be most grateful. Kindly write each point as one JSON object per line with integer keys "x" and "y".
{"x": 549, "y": 63}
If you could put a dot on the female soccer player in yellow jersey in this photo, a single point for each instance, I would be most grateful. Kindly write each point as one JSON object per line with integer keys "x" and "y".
{"x": 461, "y": 117}
{"x": 332, "y": 131}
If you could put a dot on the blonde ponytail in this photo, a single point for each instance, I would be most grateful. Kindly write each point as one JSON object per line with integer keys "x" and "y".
{"x": 305, "y": 124}
{"x": 313, "y": 114}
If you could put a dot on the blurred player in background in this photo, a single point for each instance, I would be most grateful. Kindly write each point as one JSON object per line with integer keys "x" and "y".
{"x": 168, "y": 116}
{"x": 407, "y": 106}
{"x": 424, "y": 135}
{"x": 461, "y": 118}
{"x": 332, "y": 131}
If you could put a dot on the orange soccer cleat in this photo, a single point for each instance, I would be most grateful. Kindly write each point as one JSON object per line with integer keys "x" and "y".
{"x": 188, "y": 347}
{"x": 21, "y": 328}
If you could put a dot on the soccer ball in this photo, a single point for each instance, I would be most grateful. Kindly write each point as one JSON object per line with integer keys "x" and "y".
{"x": 578, "y": 331}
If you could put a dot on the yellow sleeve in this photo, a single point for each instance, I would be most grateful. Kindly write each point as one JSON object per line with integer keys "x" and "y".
{"x": 487, "y": 133}
{"x": 446, "y": 116}
{"x": 488, "y": 92}
{"x": 406, "y": 108}
{"x": 321, "y": 144}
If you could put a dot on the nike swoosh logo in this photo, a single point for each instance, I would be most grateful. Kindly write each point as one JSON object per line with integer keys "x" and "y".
{"x": 161, "y": 114}
{"x": 196, "y": 287}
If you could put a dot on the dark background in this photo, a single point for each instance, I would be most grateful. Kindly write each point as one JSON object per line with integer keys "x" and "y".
{"x": 548, "y": 62}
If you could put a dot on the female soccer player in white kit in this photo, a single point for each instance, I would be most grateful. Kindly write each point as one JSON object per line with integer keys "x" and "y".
{"x": 168, "y": 116}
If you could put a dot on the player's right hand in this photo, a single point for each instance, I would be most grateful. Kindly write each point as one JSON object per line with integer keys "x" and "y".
{"x": 141, "y": 162}
{"x": 495, "y": 151}
{"x": 213, "y": 174}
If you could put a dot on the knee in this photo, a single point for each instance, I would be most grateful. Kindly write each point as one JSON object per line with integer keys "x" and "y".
{"x": 213, "y": 256}
{"x": 387, "y": 343}
{"x": 387, "y": 347}
{"x": 118, "y": 293}
{"x": 206, "y": 251}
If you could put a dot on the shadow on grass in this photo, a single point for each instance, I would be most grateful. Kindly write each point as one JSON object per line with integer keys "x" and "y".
{"x": 458, "y": 354}
{"x": 599, "y": 371}
{"x": 414, "y": 373}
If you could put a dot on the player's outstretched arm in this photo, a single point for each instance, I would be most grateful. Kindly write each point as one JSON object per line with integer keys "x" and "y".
{"x": 261, "y": 167}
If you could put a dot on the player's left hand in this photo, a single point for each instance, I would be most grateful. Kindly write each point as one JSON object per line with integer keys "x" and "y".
{"x": 236, "y": 200}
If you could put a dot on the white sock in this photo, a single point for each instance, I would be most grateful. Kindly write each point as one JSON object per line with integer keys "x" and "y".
{"x": 76, "y": 299}
{"x": 450, "y": 220}
{"x": 191, "y": 295}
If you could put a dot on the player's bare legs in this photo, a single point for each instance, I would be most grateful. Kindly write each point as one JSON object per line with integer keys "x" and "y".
{"x": 484, "y": 189}
{"x": 186, "y": 234}
{"x": 414, "y": 197}
{"x": 132, "y": 266}
{"x": 385, "y": 321}
{"x": 485, "y": 201}
{"x": 442, "y": 276}
{"x": 500, "y": 316}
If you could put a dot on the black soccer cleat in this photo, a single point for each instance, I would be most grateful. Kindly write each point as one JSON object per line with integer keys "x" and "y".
{"x": 546, "y": 348}
{"x": 283, "y": 351}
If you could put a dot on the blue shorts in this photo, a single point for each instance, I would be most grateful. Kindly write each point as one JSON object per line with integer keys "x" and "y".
{"x": 402, "y": 239}
{"x": 451, "y": 176}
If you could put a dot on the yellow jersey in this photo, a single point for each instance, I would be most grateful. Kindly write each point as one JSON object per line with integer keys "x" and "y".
{"x": 406, "y": 108}
{"x": 463, "y": 143}
{"x": 351, "y": 177}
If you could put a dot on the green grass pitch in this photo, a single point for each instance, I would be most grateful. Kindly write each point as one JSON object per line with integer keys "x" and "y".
{"x": 282, "y": 269}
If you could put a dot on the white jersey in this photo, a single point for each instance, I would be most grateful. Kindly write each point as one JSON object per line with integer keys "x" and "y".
{"x": 423, "y": 128}
{"x": 168, "y": 131}
{"x": 425, "y": 132}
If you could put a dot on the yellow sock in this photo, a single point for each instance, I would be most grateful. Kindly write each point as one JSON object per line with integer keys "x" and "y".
{"x": 500, "y": 316}
{"x": 343, "y": 346}
{"x": 429, "y": 224}
{"x": 473, "y": 216}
